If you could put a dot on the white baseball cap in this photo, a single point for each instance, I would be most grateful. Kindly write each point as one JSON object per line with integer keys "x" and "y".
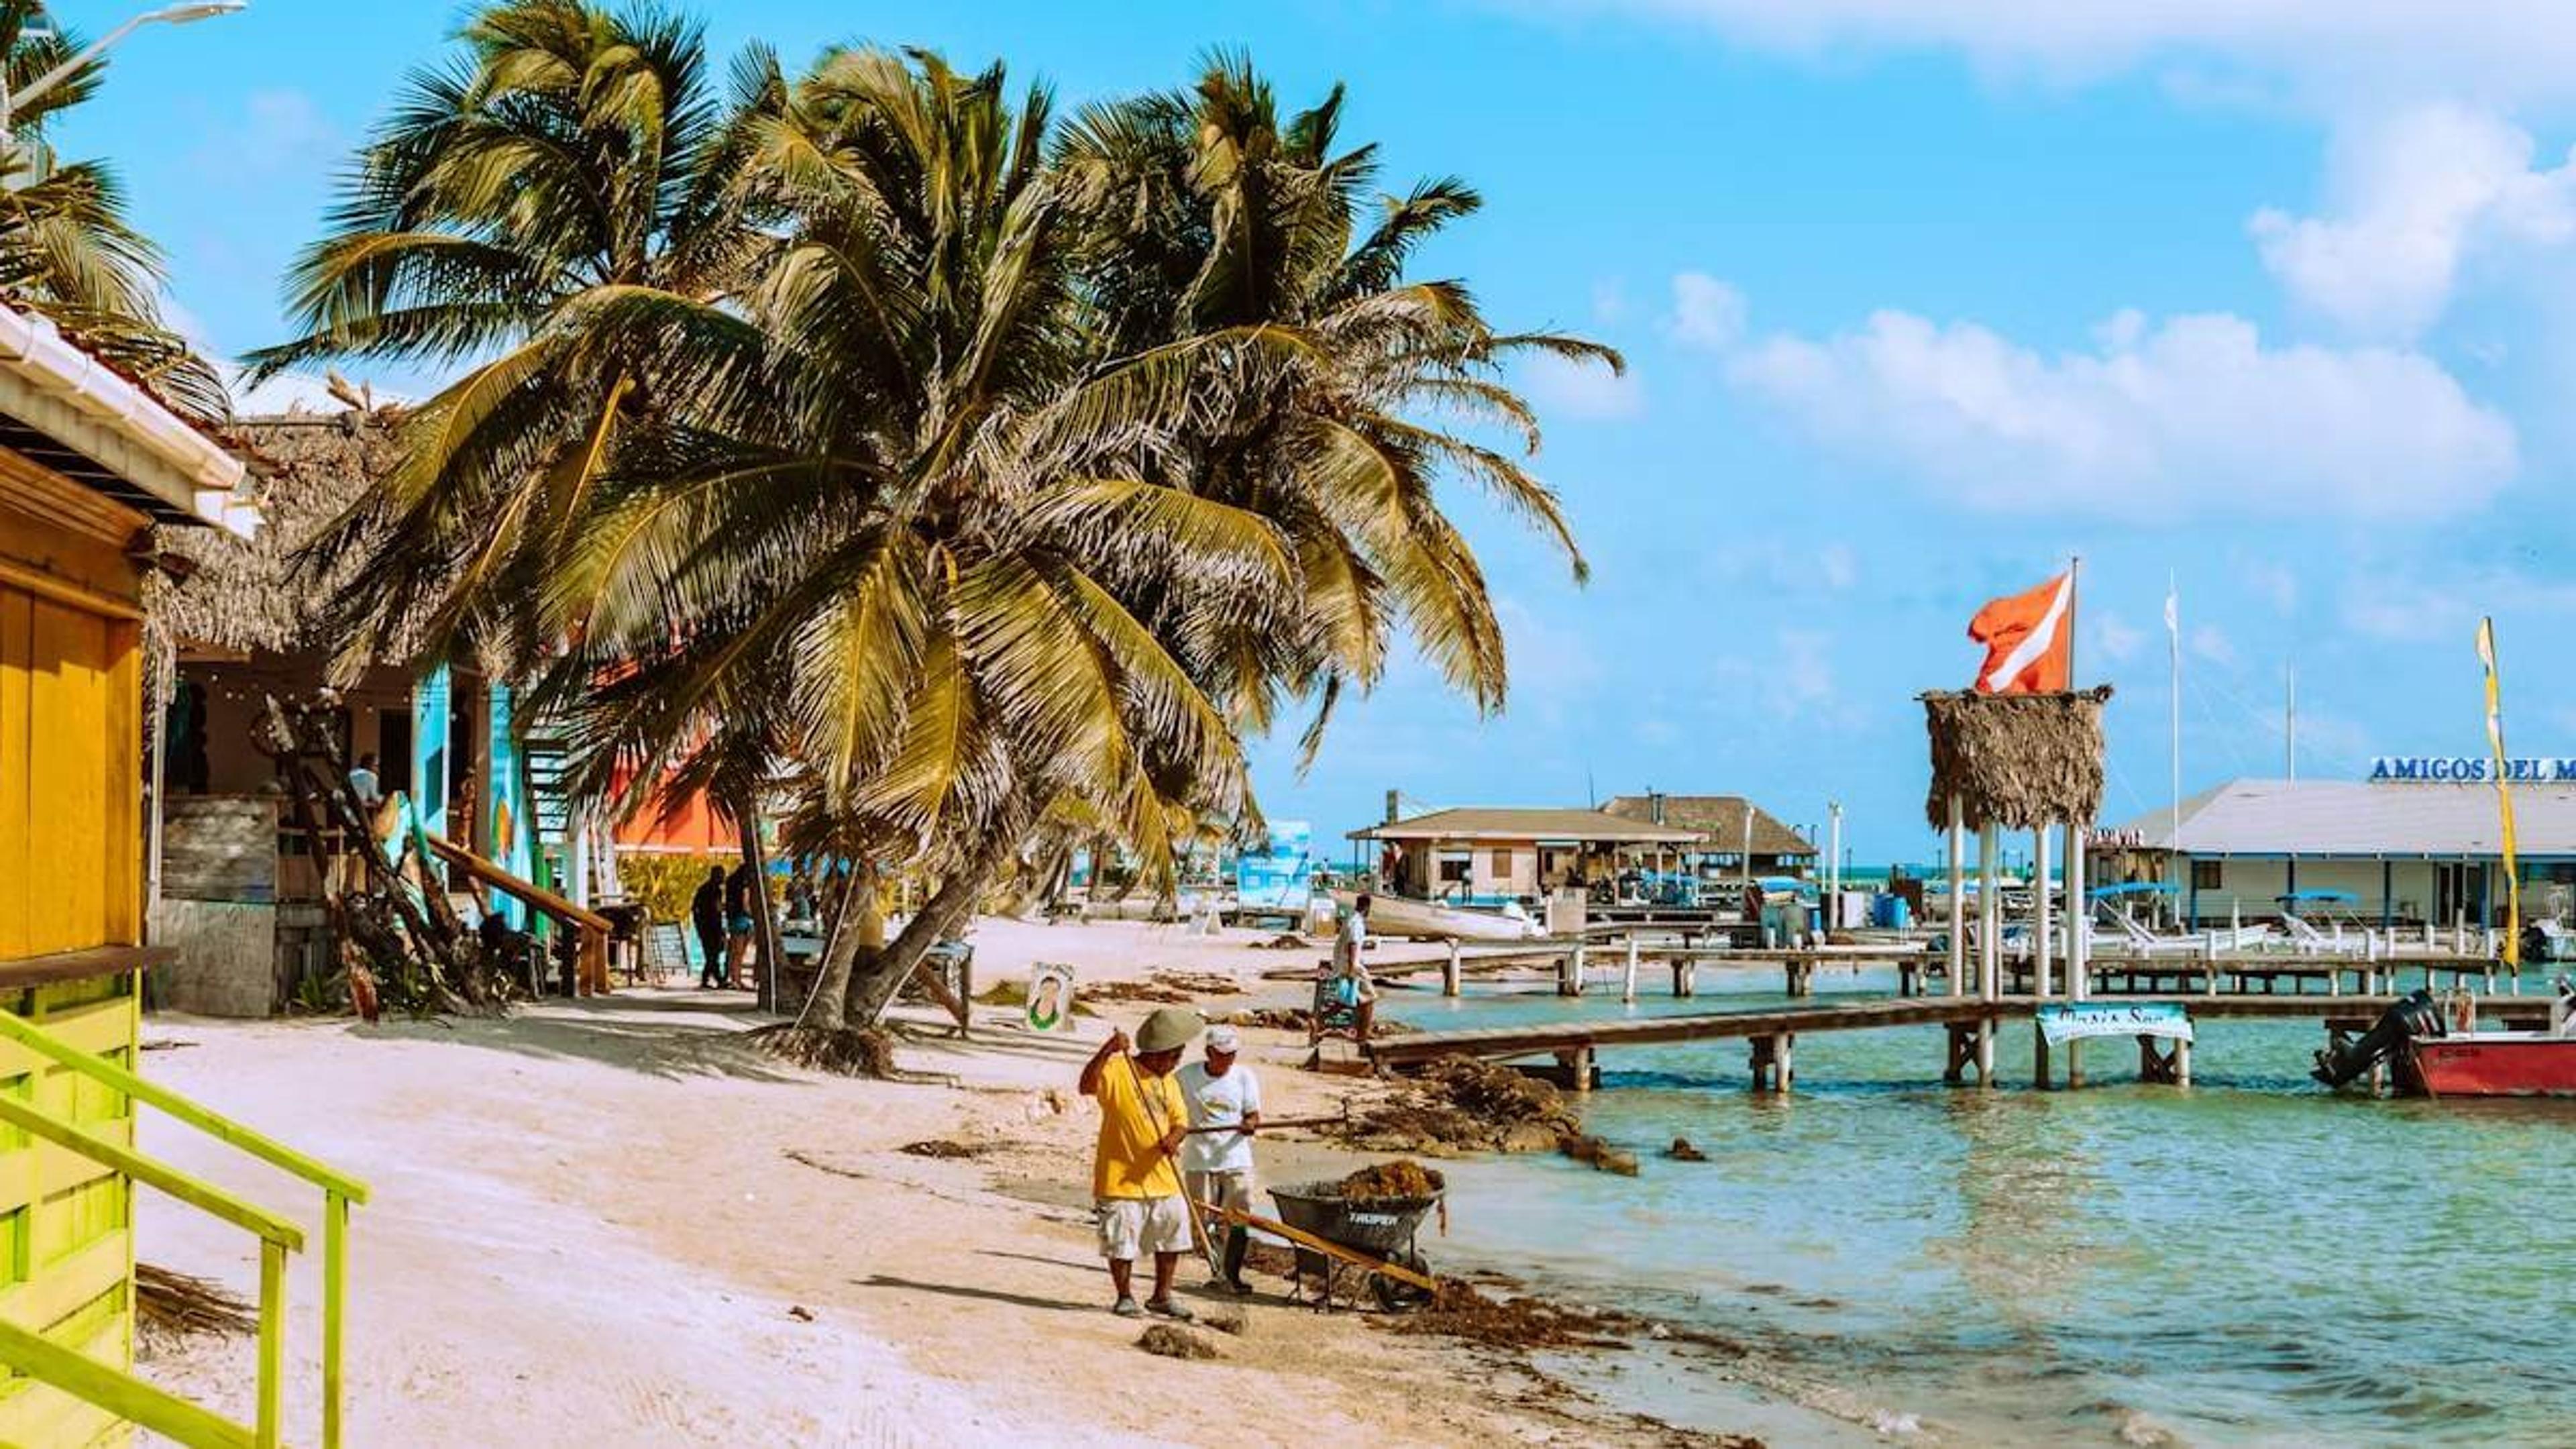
{"x": 1224, "y": 1039}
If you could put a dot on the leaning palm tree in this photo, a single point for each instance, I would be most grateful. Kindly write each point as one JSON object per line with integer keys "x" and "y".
{"x": 847, "y": 497}
{"x": 67, "y": 252}
{"x": 570, "y": 160}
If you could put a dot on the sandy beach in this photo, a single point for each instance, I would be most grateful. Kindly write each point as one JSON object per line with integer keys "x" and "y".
{"x": 612, "y": 1222}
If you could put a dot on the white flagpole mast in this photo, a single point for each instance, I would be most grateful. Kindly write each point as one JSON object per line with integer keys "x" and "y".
{"x": 2173, "y": 656}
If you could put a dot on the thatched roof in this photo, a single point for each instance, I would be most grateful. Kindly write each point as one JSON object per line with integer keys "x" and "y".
{"x": 1720, "y": 818}
{"x": 2019, "y": 761}
{"x": 305, "y": 470}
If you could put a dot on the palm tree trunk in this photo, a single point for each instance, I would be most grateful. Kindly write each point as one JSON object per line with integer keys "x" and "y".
{"x": 764, "y": 940}
{"x": 871, "y": 991}
{"x": 860, "y": 927}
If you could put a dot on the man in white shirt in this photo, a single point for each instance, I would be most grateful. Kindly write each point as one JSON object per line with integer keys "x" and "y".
{"x": 1351, "y": 985}
{"x": 1224, "y": 1100}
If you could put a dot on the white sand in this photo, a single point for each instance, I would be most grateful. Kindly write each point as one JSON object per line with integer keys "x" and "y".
{"x": 587, "y": 1230}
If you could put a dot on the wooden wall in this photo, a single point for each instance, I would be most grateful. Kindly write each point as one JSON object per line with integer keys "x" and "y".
{"x": 71, "y": 866}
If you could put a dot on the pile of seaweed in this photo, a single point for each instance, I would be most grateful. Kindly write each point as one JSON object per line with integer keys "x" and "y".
{"x": 1165, "y": 988}
{"x": 1460, "y": 1104}
{"x": 1460, "y": 1310}
{"x": 1403, "y": 1177}
{"x": 945, "y": 1149}
{"x": 1168, "y": 1342}
{"x": 1299, "y": 1019}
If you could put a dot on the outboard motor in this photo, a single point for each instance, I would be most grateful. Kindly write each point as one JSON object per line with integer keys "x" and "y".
{"x": 2418, "y": 1015}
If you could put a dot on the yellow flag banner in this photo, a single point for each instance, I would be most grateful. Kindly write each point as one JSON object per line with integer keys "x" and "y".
{"x": 2504, "y": 795}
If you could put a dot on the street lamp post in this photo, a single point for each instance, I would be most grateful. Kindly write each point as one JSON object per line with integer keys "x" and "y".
{"x": 166, "y": 15}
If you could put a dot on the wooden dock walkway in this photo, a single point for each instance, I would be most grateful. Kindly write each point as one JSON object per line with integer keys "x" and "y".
{"x": 1774, "y": 1030}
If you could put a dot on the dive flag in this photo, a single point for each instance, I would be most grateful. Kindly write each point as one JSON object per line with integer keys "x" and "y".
{"x": 2029, "y": 639}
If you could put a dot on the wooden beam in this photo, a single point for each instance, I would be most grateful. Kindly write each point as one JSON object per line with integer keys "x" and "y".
{"x": 535, "y": 895}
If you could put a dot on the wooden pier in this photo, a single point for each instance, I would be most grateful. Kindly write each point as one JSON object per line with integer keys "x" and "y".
{"x": 1970, "y": 1025}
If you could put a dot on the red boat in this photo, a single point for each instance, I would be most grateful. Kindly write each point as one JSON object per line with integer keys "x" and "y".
{"x": 2494, "y": 1064}
{"x": 2441, "y": 1053}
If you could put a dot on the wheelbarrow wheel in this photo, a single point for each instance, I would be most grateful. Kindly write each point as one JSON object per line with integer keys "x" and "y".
{"x": 1395, "y": 1296}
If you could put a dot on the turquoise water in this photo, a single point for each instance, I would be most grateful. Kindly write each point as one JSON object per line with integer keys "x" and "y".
{"x": 2251, "y": 1261}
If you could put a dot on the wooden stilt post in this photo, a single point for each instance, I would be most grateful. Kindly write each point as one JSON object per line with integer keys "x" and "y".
{"x": 2039, "y": 1055}
{"x": 1685, "y": 976}
{"x": 1958, "y": 897}
{"x": 1801, "y": 976}
{"x": 2182, "y": 1062}
{"x": 1990, "y": 918}
{"x": 1628, "y": 978}
{"x": 1450, "y": 982}
{"x": 2079, "y": 941}
{"x": 2042, "y": 936}
{"x": 1569, "y": 973}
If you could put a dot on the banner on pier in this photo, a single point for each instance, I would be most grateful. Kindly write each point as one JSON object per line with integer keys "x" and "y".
{"x": 2075, "y": 1021}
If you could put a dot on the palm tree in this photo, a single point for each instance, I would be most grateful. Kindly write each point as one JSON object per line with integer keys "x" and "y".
{"x": 570, "y": 164}
{"x": 67, "y": 252}
{"x": 1206, "y": 214}
{"x": 848, "y": 496}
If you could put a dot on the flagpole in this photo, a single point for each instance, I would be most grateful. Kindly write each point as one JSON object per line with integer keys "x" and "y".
{"x": 2173, "y": 657}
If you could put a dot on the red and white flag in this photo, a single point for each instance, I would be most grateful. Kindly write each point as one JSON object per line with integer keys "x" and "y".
{"x": 2029, "y": 639}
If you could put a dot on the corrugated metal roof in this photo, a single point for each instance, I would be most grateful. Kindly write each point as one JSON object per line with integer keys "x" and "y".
{"x": 1720, "y": 818}
{"x": 2353, "y": 818}
{"x": 1515, "y": 823}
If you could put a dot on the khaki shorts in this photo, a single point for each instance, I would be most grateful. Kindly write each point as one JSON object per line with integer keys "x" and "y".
{"x": 1222, "y": 1189}
{"x": 1132, "y": 1227}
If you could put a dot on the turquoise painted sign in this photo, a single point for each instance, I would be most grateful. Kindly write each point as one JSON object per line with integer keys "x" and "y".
{"x": 2075, "y": 1021}
{"x": 507, "y": 835}
{"x": 429, "y": 753}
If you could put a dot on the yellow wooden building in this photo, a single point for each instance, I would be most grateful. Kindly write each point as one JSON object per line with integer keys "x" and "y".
{"x": 88, "y": 462}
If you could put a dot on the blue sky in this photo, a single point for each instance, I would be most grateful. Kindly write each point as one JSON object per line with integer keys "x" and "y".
{"x": 1920, "y": 300}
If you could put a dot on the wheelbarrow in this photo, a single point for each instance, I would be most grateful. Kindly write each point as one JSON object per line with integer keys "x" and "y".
{"x": 1383, "y": 1228}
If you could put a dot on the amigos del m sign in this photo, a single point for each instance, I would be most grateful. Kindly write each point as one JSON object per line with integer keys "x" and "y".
{"x": 2471, "y": 770}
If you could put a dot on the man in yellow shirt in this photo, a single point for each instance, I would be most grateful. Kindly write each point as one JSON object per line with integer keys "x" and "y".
{"x": 1135, "y": 1186}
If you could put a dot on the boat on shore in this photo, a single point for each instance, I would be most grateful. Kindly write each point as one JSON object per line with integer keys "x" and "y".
{"x": 1442, "y": 921}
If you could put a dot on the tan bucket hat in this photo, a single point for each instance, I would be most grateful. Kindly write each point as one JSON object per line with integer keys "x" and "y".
{"x": 1169, "y": 1029}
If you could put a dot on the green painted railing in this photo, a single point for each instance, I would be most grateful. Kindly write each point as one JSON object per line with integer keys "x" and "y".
{"x": 121, "y": 1393}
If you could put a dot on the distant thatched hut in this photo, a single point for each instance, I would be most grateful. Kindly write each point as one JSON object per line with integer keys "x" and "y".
{"x": 2018, "y": 761}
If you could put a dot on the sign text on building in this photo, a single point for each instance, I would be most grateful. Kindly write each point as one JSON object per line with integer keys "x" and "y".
{"x": 2471, "y": 770}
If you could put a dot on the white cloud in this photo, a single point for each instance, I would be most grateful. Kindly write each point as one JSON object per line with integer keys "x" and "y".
{"x": 277, "y": 131}
{"x": 1806, "y": 674}
{"x": 2336, "y": 53}
{"x": 2404, "y": 607}
{"x": 1706, "y": 312}
{"x": 2211, "y": 643}
{"x": 2194, "y": 413}
{"x": 1585, "y": 390}
{"x": 1836, "y": 566}
{"x": 2415, "y": 194}
{"x": 1609, "y": 301}
{"x": 2115, "y": 638}
{"x": 2274, "y": 582}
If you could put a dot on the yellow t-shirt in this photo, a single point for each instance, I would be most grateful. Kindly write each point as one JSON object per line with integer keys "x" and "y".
{"x": 1129, "y": 1161}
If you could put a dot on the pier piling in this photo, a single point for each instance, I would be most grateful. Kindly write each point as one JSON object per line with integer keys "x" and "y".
{"x": 1449, "y": 972}
{"x": 1628, "y": 978}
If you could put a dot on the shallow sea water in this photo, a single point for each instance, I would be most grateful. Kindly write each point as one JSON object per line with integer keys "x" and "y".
{"x": 2252, "y": 1261}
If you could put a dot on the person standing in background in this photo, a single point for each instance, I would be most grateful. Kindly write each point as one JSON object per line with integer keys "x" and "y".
{"x": 738, "y": 889}
{"x": 707, "y": 914}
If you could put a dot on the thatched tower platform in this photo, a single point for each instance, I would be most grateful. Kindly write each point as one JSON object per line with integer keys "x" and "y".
{"x": 2018, "y": 761}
